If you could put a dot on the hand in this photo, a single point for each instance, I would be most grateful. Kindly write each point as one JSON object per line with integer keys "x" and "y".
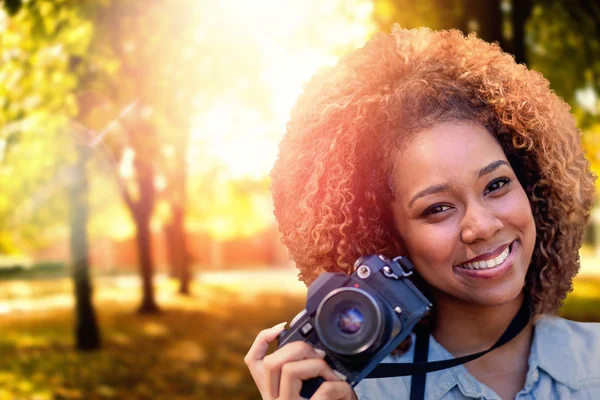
{"x": 279, "y": 375}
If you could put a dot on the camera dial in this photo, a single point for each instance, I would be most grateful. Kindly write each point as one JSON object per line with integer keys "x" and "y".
{"x": 363, "y": 272}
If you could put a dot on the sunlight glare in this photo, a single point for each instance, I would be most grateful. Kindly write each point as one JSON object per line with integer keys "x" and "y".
{"x": 126, "y": 166}
{"x": 294, "y": 39}
{"x": 2, "y": 148}
{"x": 235, "y": 135}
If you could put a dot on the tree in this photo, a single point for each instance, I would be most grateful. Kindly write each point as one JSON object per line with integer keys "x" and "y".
{"x": 140, "y": 199}
{"x": 43, "y": 38}
{"x": 130, "y": 34}
{"x": 172, "y": 84}
{"x": 87, "y": 332}
{"x": 519, "y": 14}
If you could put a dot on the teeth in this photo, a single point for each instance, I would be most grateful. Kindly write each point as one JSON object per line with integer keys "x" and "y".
{"x": 488, "y": 263}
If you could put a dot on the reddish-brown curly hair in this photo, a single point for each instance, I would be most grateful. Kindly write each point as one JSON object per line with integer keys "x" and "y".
{"x": 330, "y": 183}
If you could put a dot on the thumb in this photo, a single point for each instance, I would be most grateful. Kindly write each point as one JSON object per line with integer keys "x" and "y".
{"x": 261, "y": 344}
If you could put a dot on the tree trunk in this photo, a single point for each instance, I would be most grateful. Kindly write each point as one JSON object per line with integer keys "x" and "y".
{"x": 183, "y": 256}
{"x": 87, "y": 333}
{"x": 142, "y": 212}
{"x": 521, "y": 10}
{"x": 172, "y": 251}
{"x": 485, "y": 18}
{"x": 177, "y": 248}
{"x": 144, "y": 246}
{"x": 179, "y": 254}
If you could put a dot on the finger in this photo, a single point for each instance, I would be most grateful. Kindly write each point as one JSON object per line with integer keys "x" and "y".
{"x": 293, "y": 373}
{"x": 259, "y": 348}
{"x": 273, "y": 363}
{"x": 334, "y": 390}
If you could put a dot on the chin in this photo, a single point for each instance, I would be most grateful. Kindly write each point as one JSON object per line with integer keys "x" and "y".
{"x": 498, "y": 297}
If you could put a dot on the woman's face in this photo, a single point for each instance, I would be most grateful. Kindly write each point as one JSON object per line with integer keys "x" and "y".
{"x": 462, "y": 215}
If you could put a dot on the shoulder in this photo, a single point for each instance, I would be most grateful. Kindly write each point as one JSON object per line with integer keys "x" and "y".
{"x": 568, "y": 350}
{"x": 576, "y": 336}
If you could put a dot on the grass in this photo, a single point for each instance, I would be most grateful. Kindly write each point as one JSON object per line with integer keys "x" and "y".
{"x": 194, "y": 349}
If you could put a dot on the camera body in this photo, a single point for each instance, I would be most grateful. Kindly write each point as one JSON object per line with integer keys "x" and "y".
{"x": 358, "y": 319}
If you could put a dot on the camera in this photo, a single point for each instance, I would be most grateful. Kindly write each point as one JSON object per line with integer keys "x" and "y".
{"x": 358, "y": 319}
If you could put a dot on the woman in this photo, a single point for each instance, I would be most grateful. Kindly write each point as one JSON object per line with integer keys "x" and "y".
{"x": 441, "y": 148}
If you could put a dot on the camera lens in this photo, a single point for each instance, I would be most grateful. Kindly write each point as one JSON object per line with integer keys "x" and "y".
{"x": 350, "y": 321}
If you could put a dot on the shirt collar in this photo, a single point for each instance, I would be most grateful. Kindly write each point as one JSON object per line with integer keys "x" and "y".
{"x": 439, "y": 383}
{"x": 555, "y": 341}
{"x": 554, "y": 344}
{"x": 565, "y": 350}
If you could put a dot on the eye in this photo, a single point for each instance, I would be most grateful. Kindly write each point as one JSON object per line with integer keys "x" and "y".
{"x": 435, "y": 209}
{"x": 496, "y": 184}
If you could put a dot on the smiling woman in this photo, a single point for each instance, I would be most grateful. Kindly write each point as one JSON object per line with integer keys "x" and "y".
{"x": 440, "y": 148}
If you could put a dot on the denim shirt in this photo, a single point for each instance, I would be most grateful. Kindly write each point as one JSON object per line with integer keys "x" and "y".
{"x": 564, "y": 363}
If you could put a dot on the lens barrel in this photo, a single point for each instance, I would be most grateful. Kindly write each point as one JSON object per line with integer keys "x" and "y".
{"x": 351, "y": 322}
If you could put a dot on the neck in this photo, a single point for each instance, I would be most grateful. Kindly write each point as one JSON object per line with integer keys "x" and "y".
{"x": 463, "y": 328}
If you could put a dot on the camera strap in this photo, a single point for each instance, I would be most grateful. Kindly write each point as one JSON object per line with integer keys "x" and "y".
{"x": 420, "y": 367}
{"x": 417, "y": 385}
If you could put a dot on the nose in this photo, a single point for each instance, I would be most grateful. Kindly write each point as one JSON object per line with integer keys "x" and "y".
{"x": 480, "y": 222}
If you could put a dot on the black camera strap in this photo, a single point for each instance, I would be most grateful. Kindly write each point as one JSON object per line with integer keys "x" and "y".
{"x": 417, "y": 386}
{"x": 420, "y": 367}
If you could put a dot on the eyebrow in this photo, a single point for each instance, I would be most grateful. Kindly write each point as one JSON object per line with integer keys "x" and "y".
{"x": 445, "y": 187}
{"x": 429, "y": 191}
{"x": 491, "y": 168}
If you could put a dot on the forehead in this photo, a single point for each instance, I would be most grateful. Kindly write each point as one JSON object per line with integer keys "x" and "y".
{"x": 443, "y": 153}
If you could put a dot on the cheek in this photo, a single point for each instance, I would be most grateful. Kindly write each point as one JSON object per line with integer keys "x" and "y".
{"x": 517, "y": 212}
{"x": 527, "y": 224}
{"x": 518, "y": 217}
{"x": 431, "y": 246}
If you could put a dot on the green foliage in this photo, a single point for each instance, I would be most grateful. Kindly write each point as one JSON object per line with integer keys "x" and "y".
{"x": 564, "y": 47}
{"x": 36, "y": 105}
{"x": 591, "y": 145}
{"x": 90, "y": 59}
{"x": 43, "y": 270}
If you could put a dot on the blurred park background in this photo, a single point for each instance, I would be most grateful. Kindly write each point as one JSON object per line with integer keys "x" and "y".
{"x": 136, "y": 139}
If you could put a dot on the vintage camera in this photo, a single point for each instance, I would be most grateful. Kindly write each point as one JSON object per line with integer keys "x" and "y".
{"x": 358, "y": 319}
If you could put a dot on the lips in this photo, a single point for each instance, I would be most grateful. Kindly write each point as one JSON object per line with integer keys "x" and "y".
{"x": 487, "y": 256}
{"x": 494, "y": 272}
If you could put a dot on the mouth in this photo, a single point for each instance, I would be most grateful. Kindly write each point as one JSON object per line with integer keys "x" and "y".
{"x": 491, "y": 262}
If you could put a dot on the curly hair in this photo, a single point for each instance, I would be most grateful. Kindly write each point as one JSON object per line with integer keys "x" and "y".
{"x": 330, "y": 183}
